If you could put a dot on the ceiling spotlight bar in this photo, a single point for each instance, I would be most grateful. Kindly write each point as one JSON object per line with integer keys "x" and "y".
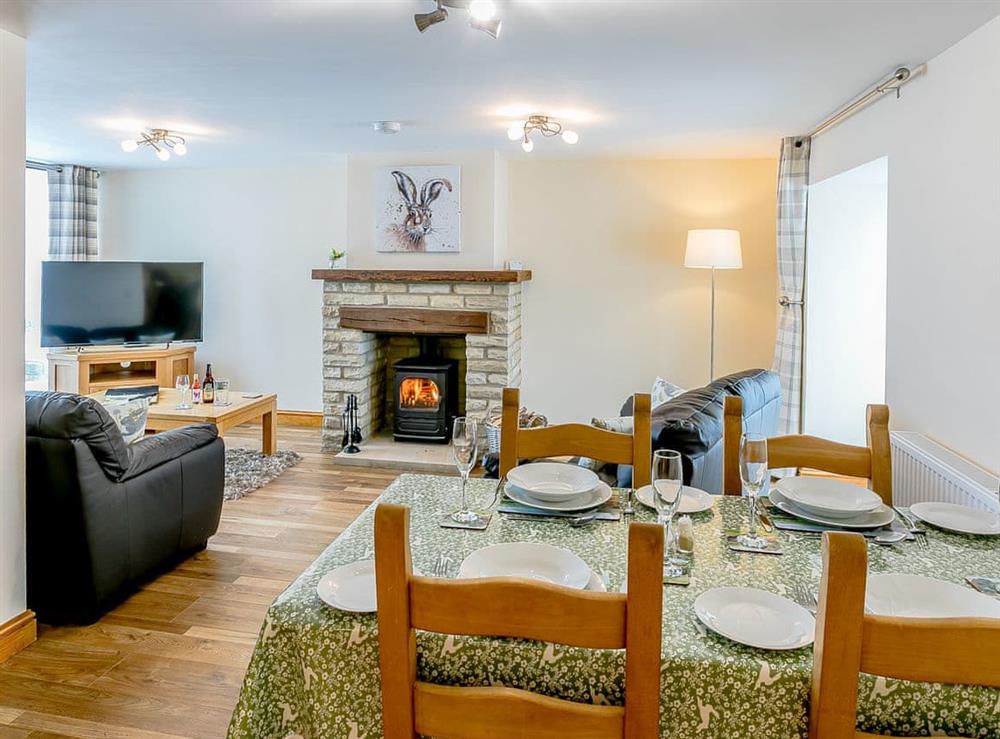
{"x": 162, "y": 141}
{"x": 543, "y": 125}
{"x": 482, "y": 15}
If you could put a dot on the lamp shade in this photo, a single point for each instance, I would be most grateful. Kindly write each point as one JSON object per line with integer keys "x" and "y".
{"x": 717, "y": 248}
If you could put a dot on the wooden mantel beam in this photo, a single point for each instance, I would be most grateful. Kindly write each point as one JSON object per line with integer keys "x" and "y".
{"x": 422, "y": 275}
{"x": 381, "y": 319}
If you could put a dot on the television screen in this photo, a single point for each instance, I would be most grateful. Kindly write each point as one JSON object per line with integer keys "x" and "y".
{"x": 88, "y": 303}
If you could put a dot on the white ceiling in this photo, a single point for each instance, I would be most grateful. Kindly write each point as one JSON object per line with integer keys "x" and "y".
{"x": 266, "y": 81}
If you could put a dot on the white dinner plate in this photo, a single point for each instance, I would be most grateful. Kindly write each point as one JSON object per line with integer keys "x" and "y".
{"x": 916, "y": 596}
{"x": 756, "y": 618}
{"x": 882, "y": 516}
{"x": 693, "y": 500}
{"x": 553, "y": 481}
{"x": 958, "y": 518}
{"x": 531, "y": 560}
{"x": 828, "y": 498}
{"x": 591, "y": 499}
{"x": 350, "y": 587}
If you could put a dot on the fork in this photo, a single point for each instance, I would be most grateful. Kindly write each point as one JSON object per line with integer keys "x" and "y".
{"x": 918, "y": 533}
{"x": 805, "y": 597}
{"x": 441, "y": 566}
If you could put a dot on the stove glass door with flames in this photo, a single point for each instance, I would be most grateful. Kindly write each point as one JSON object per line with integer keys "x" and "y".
{"x": 419, "y": 393}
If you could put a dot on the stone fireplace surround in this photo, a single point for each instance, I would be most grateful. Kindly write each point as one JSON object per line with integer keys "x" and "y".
{"x": 408, "y": 302}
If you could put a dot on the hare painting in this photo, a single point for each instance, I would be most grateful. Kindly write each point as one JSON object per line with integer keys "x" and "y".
{"x": 419, "y": 210}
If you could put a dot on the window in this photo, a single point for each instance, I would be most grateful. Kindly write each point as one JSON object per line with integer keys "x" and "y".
{"x": 36, "y": 249}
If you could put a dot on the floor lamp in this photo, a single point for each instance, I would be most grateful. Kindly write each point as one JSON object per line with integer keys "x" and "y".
{"x": 713, "y": 248}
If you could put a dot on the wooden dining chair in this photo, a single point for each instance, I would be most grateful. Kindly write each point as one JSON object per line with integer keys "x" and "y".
{"x": 955, "y": 651}
{"x": 577, "y": 439}
{"x": 872, "y": 462}
{"x": 526, "y": 609}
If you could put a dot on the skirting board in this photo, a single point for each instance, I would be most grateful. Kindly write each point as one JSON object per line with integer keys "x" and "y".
{"x": 16, "y": 634}
{"x": 309, "y": 419}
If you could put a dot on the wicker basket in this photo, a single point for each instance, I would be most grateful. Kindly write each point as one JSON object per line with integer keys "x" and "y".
{"x": 526, "y": 420}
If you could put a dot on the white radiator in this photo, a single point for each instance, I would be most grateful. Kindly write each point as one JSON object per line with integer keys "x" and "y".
{"x": 923, "y": 470}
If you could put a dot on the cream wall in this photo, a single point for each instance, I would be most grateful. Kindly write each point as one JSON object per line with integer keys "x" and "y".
{"x": 611, "y": 306}
{"x": 260, "y": 232}
{"x": 605, "y": 240}
{"x": 942, "y": 138}
{"x": 12, "y": 567}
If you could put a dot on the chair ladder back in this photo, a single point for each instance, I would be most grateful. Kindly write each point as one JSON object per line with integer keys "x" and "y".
{"x": 732, "y": 432}
{"x": 511, "y": 607}
{"x": 837, "y": 649}
{"x": 577, "y": 439}
{"x": 953, "y": 651}
{"x": 877, "y": 426}
{"x": 397, "y": 638}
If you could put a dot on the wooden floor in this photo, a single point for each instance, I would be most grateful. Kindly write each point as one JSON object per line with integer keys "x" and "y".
{"x": 169, "y": 661}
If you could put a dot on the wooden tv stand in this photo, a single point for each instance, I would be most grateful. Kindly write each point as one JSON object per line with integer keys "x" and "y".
{"x": 93, "y": 370}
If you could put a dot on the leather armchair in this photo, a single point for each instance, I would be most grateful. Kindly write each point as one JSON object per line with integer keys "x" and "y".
{"x": 102, "y": 517}
{"x": 692, "y": 423}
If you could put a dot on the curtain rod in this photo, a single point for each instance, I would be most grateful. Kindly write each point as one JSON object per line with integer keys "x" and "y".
{"x": 35, "y": 164}
{"x": 894, "y": 82}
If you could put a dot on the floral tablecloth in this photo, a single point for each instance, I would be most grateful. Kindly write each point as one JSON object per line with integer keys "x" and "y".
{"x": 314, "y": 672}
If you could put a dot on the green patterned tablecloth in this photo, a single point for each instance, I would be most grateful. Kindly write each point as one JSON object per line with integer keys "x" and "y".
{"x": 314, "y": 672}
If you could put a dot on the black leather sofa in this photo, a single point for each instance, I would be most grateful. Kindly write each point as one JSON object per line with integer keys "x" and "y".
{"x": 692, "y": 423}
{"x": 102, "y": 517}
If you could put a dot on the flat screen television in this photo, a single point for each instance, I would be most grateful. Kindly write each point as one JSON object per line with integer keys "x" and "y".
{"x": 108, "y": 303}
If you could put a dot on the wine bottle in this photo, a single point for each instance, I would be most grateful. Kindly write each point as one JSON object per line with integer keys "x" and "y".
{"x": 196, "y": 390}
{"x": 208, "y": 387}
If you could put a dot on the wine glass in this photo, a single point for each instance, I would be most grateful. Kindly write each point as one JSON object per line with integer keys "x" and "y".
{"x": 464, "y": 443}
{"x": 668, "y": 478}
{"x": 753, "y": 473}
{"x": 183, "y": 385}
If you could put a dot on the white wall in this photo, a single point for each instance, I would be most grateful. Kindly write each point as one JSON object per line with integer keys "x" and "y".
{"x": 611, "y": 305}
{"x": 260, "y": 232}
{"x": 845, "y": 313}
{"x": 12, "y": 570}
{"x": 942, "y": 138}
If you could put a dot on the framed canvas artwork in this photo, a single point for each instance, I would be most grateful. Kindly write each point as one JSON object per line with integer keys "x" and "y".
{"x": 418, "y": 209}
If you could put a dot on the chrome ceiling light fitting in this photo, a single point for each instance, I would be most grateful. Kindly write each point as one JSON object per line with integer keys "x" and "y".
{"x": 482, "y": 15}
{"x": 164, "y": 143}
{"x": 543, "y": 125}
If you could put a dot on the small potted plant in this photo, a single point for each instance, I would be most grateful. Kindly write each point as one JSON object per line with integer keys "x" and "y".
{"x": 338, "y": 259}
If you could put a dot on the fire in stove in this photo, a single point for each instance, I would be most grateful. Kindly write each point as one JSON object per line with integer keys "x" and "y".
{"x": 419, "y": 392}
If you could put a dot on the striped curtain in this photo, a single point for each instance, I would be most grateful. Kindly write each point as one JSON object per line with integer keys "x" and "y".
{"x": 72, "y": 213}
{"x": 793, "y": 186}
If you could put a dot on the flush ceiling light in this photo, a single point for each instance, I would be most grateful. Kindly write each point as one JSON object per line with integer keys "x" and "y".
{"x": 543, "y": 125}
{"x": 482, "y": 15}
{"x": 387, "y": 127}
{"x": 161, "y": 140}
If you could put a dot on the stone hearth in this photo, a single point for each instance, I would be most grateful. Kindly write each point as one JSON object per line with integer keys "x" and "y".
{"x": 446, "y": 303}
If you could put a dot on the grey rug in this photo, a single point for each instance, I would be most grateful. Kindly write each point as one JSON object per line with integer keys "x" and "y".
{"x": 247, "y": 470}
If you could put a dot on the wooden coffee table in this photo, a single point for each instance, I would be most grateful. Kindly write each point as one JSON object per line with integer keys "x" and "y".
{"x": 164, "y": 415}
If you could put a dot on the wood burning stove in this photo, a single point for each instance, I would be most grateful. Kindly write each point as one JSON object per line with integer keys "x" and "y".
{"x": 425, "y": 395}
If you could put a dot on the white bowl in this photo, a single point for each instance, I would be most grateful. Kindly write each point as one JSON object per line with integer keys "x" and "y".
{"x": 829, "y": 498}
{"x": 529, "y": 560}
{"x": 553, "y": 481}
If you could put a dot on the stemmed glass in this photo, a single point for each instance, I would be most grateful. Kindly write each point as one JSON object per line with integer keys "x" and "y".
{"x": 668, "y": 478}
{"x": 464, "y": 445}
{"x": 183, "y": 385}
{"x": 753, "y": 473}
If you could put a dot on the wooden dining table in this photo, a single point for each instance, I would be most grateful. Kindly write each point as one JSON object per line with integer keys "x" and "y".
{"x": 315, "y": 670}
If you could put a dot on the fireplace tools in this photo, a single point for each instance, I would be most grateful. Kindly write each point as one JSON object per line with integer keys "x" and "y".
{"x": 352, "y": 431}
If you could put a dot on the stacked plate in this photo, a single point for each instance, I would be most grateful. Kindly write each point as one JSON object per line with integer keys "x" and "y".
{"x": 831, "y": 503}
{"x": 552, "y": 486}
